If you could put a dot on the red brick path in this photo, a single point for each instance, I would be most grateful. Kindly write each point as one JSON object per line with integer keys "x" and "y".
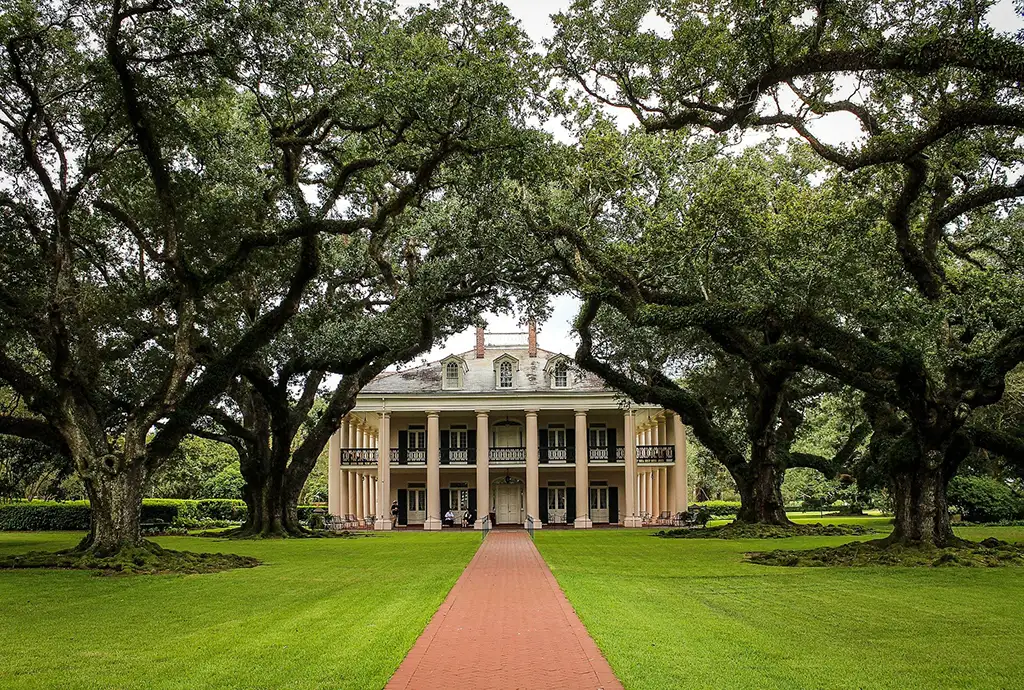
{"x": 505, "y": 624}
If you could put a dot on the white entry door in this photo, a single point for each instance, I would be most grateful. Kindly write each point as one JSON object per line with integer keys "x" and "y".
{"x": 599, "y": 504}
{"x": 508, "y": 504}
{"x": 417, "y": 506}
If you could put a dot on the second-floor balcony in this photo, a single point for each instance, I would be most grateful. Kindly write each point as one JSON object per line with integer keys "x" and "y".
{"x": 547, "y": 455}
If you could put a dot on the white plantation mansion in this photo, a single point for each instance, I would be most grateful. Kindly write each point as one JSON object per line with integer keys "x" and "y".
{"x": 509, "y": 432}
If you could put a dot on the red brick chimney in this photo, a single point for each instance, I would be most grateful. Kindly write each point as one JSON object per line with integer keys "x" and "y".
{"x": 479, "y": 342}
{"x": 531, "y": 345}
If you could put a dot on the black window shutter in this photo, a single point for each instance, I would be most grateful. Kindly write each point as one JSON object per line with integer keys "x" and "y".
{"x": 570, "y": 445}
{"x": 471, "y": 440}
{"x": 543, "y": 505}
{"x": 403, "y": 507}
{"x": 446, "y": 438}
{"x": 403, "y": 446}
{"x": 472, "y": 503}
{"x": 570, "y": 505}
{"x": 612, "y": 445}
{"x": 613, "y": 504}
{"x": 446, "y": 502}
{"x": 544, "y": 438}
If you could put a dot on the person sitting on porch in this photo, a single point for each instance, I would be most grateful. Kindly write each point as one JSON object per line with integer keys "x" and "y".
{"x": 449, "y": 518}
{"x": 467, "y": 518}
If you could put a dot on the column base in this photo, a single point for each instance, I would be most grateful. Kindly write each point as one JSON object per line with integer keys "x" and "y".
{"x": 633, "y": 521}
{"x": 536, "y": 525}
{"x": 432, "y": 525}
{"x": 478, "y": 525}
{"x": 382, "y": 525}
{"x": 583, "y": 523}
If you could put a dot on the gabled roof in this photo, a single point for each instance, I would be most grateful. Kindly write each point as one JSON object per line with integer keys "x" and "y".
{"x": 478, "y": 378}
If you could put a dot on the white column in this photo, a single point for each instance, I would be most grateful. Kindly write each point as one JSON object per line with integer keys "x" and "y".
{"x": 583, "y": 520}
{"x": 434, "y": 516}
{"x": 663, "y": 490}
{"x": 346, "y": 506}
{"x": 360, "y": 506}
{"x": 677, "y": 473}
{"x": 334, "y": 481}
{"x": 656, "y": 491}
{"x": 367, "y": 502}
{"x": 350, "y": 442}
{"x": 383, "y": 437}
{"x": 532, "y": 469}
{"x": 629, "y": 504}
{"x": 662, "y": 431}
{"x": 353, "y": 482}
{"x": 650, "y": 491}
{"x": 483, "y": 474}
{"x": 359, "y": 435}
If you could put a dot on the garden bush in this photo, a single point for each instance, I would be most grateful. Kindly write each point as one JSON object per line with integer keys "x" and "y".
{"x": 984, "y": 499}
{"x": 717, "y": 508}
{"x": 74, "y": 515}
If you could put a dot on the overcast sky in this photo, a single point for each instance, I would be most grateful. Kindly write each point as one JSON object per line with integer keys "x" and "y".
{"x": 555, "y": 334}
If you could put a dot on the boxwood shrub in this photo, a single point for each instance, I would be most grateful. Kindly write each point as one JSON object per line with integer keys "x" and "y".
{"x": 74, "y": 515}
{"x": 718, "y": 508}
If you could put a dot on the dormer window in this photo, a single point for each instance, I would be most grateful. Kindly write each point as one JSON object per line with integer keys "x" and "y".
{"x": 505, "y": 375}
{"x": 560, "y": 376}
{"x": 451, "y": 375}
{"x": 505, "y": 372}
{"x": 557, "y": 371}
{"x": 453, "y": 371}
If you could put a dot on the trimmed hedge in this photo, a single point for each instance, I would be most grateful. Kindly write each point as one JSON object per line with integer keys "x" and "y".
{"x": 74, "y": 515}
{"x": 718, "y": 508}
{"x": 984, "y": 499}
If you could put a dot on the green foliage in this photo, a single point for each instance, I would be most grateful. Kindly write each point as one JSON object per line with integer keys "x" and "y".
{"x": 199, "y": 468}
{"x": 984, "y": 499}
{"x": 717, "y": 508}
{"x": 74, "y": 515}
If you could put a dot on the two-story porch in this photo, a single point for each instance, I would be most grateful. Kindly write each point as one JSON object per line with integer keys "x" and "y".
{"x": 508, "y": 432}
{"x": 508, "y": 465}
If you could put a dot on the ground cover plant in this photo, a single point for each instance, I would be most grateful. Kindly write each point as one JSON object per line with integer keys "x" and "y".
{"x": 338, "y": 613}
{"x": 671, "y": 613}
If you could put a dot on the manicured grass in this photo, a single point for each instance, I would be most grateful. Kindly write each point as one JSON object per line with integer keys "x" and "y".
{"x": 338, "y": 613}
{"x": 672, "y": 613}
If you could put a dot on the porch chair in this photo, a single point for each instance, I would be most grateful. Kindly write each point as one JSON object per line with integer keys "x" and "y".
{"x": 664, "y": 518}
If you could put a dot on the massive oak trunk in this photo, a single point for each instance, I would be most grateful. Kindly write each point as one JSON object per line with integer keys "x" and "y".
{"x": 922, "y": 513}
{"x": 115, "y": 502}
{"x": 272, "y": 504}
{"x": 760, "y": 489}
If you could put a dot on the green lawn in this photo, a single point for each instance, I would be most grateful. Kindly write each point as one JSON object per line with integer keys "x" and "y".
{"x": 338, "y": 613}
{"x": 672, "y": 613}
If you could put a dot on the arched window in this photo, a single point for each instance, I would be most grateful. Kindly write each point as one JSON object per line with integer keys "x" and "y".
{"x": 505, "y": 375}
{"x": 560, "y": 377}
{"x": 451, "y": 375}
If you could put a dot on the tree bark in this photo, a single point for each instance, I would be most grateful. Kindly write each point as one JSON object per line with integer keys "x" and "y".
{"x": 922, "y": 512}
{"x": 760, "y": 490}
{"x": 115, "y": 502}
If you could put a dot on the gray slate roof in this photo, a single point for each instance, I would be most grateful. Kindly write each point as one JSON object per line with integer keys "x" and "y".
{"x": 478, "y": 376}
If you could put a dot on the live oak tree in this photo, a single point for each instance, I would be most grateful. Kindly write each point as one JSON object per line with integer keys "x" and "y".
{"x": 430, "y": 278}
{"x": 933, "y": 95}
{"x": 160, "y": 156}
{"x": 684, "y": 224}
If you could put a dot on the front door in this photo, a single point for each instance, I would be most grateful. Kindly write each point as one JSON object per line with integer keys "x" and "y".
{"x": 417, "y": 506}
{"x": 599, "y": 504}
{"x": 508, "y": 504}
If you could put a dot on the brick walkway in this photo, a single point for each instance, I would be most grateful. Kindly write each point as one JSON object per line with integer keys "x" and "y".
{"x": 505, "y": 624}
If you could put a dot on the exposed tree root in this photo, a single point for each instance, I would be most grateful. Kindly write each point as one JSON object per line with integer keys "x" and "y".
{"x": 746, "y": 530}
{"x": 989, "y": 553}
{"x": 145, "y": 559}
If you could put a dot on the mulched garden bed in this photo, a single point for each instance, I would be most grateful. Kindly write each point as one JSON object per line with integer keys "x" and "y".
{"x": 990, "y": 553}
{"x": 741, "y": 530}
{"x": 146, "y": 559}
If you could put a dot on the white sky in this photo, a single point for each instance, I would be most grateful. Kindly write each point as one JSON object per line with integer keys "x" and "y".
{"x": 555, "y": 333}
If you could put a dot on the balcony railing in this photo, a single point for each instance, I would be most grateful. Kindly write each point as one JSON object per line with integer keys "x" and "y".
{"x": 602, "y": 453}
{"x": 507, "y": 456}
{"x": 408, "y": 456}
{"x": 655, "y": 454}
{"x": 557, "y": 454}
{"x": 358, "y": 456}
{"x": 458, "y": 456}
{"x": 551, "y": 455}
